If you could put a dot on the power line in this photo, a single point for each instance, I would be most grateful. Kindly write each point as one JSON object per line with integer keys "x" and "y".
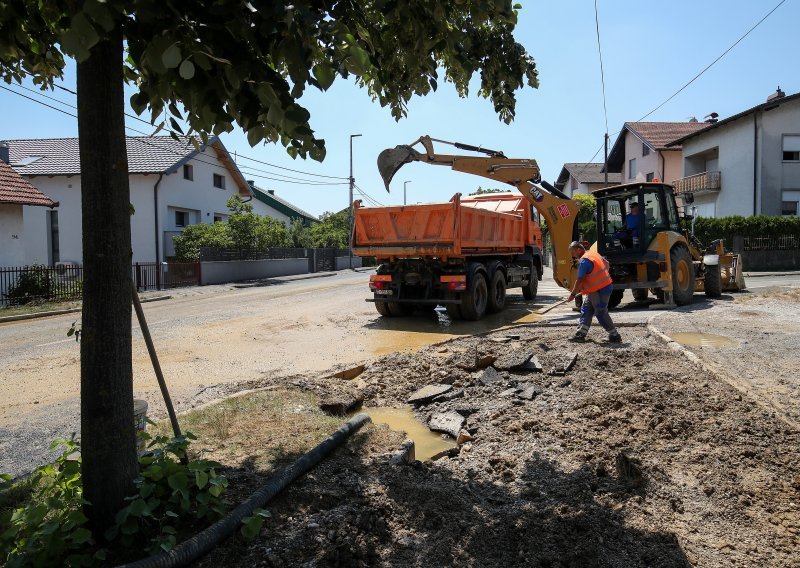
{"x": 600, "y": 54}
{"x": 368, "y": 196}
{"x": 724, "y": 53}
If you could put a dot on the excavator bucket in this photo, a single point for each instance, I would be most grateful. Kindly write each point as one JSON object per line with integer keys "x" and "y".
{"x": 392, "y": 159}
{"x": 732, "y": 275}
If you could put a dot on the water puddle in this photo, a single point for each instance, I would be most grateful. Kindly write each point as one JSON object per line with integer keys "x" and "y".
{"x": 692, "y": 339}
{"x": 426, "y": 442}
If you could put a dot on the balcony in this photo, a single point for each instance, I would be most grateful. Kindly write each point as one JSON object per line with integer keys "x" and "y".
{"x": 699, "y": 184}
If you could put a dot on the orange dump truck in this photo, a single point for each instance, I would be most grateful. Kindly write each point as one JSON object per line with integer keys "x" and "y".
{"x": 463, "y": 254}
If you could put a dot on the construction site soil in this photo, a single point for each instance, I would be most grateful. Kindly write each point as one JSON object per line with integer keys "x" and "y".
{"x": 636, "y": 456}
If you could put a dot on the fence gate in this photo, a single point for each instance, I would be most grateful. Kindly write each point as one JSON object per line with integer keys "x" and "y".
{"x": 326, "y": 260}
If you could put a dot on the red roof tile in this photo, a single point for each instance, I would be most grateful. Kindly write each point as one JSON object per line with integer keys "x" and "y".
{"x": 15, "y": 189}
{"x": 659, "y": 134}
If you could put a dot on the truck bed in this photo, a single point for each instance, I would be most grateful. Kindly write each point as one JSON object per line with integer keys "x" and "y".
{"x": 486, "y": 224}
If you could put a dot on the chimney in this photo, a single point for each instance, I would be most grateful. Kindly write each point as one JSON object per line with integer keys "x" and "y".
{"x": 776, "y": 95}
{"x": 271, "y": 191}
{"x": 693, "y": 119}
{"x": 251, "y": 183}
{"x": 4, "y": 153}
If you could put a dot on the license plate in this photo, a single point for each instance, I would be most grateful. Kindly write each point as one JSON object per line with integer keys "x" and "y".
{"x": 384, "y": 292}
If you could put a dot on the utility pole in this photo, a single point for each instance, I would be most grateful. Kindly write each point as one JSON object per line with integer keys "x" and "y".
{"x": 350, "y": 202}
{"x": 404, "y": 191}
{"x": 605, "y": 160}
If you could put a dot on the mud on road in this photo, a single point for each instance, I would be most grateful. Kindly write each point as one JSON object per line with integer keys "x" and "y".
{"x": 635, "y": 457}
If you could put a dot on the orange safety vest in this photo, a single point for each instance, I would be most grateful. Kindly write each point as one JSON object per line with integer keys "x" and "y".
{"x": 599, "y": 277}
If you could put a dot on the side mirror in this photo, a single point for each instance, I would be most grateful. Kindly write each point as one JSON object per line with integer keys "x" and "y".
{"x": 688, "y": 197}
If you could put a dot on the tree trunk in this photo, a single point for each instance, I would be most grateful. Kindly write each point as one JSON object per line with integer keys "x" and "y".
{"x": 108, "y": 444}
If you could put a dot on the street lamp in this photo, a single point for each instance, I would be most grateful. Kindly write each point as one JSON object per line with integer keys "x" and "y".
{"x": 350, "y": 203}
{"x": 405, "y": 183}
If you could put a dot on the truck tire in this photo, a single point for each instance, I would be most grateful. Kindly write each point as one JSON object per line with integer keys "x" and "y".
{"x": 639, "y": 294}
{"x": 474, "y": 300}
{"x": 383, "y": 309}
{"x": 712, "y": 282}
{"x": 682, "y": 276}
{"x": 497, "y": 293}
{"x": 532, "y": 287}
{"x": 398, "y": 310}
{"x": 616, "y": 298}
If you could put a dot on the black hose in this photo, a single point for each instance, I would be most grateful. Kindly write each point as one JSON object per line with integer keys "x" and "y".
{"x": 204, "y": 542}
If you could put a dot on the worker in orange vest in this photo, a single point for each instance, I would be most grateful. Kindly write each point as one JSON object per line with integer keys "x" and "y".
{"x": 594, "y": 281}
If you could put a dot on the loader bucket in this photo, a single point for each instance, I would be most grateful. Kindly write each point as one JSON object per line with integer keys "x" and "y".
{"x": 732, "y": 273}
{"x": 392, "y": 159}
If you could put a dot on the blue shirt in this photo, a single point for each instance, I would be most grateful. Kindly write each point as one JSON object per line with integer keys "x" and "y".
{"x": 632, "y": 222}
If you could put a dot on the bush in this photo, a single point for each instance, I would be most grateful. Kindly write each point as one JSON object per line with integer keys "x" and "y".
{"x": 726, "y": 228}
{"x": 36, "y": 283}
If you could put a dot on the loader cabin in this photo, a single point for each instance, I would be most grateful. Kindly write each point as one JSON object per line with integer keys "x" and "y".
{"x": 630, "y": 216}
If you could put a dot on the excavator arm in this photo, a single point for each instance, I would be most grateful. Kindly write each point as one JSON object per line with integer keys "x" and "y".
{"x": 560, "y": 212}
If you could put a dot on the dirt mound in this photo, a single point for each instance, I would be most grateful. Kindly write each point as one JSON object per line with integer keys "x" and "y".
{"x": 634, "y": 457}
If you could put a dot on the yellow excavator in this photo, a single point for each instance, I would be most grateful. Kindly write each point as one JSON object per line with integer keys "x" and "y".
{"x": 647, "y": 248}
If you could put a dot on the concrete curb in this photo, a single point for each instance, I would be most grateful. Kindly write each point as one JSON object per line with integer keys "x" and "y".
{"x": 759, "y": 274}
{"x": 276, "y": 279}
{"x": 35, "y": 315}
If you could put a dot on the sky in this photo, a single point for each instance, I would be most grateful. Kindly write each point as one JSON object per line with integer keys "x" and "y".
{"x": 649, "y": 50}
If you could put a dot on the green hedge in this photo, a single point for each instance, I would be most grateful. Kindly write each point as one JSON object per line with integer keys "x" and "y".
{"x": 709, "y": 229}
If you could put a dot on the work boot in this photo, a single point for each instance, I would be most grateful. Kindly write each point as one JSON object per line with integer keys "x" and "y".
{"x": 615, "y": 337}
{"x": 578, "y": 337}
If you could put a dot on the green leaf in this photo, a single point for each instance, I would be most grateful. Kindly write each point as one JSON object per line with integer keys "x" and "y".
{"x": 251, "y": 526}
{"x": 358, "y": 62}
{"x": 81, "y": 536}
{"x": 186, "y": 70}
{"x": 178, "y": 481}
{"x": 171, "y": 57}
{"x": 324, "y": 74}
{"x": 201, "y": 479}
{"x": 139, "y": 508}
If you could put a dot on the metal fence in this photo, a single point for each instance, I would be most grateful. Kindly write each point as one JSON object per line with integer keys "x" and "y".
{"x": 26, "y": 284}
{"x": 211, "y": 254}
{"x": 782, "y": 242}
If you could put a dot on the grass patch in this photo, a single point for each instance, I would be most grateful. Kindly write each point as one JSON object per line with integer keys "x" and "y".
{"x": 259, "y": 431}
{"x": 15, "y": 496}
{"x": 37, "y": 307}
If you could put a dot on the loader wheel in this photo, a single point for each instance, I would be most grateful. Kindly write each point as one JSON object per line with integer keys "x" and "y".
{"x": 497, "y": 293}
{"x": 397, "y": 309}
{"x": 682, "y": 276}
{"x": 639, "y": 294}
{"x": 713, "y": 281}
{"x": 383, "y": 309}
{"x": 474, "y": 300}
{"x": 532, "y": 287}
{"x": 616, "y": 298}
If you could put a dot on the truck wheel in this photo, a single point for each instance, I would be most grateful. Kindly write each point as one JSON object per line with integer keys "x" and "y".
{"x": 616, "y": 298}
{"x": 383, "y": 309}
{"x": 532, "y": 287}
{"x": 397, "y": 309}
{"x": 474, "y": 300}
{"x": 639, "y": 294}
{"x": 713, "y": 281}
{"x": 682, "y": 276}
{"x": 497, "y": 293}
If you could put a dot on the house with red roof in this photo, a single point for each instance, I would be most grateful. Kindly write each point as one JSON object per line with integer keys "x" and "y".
{"x": 16, "y": 193}
{"x": 173, "y": 184}
{"x": 642, "y": 150}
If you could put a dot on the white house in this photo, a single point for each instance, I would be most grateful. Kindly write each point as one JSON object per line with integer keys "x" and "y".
{"x": 267, "y": 204}
{"x": 15, "y": 193}
{"x": 172, "y": 185}
{"x": 747, "y": 164}
{"x": 584, "y": 179}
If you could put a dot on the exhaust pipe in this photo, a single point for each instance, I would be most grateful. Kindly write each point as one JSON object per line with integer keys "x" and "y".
{"x": 392, "y": 159}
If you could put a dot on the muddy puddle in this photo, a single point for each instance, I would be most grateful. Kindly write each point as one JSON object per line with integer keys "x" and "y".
{"x": 692, "y": 339}
{"x": 426, "y": 442}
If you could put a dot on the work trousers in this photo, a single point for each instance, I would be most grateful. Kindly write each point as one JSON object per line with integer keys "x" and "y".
{"x": 596, "y": 305}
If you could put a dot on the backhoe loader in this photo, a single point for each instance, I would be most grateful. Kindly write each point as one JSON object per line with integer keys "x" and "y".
{"x": 660, "y": 258}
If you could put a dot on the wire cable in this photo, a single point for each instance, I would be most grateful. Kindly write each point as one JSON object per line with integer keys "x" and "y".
{"x": 600, "y": 54}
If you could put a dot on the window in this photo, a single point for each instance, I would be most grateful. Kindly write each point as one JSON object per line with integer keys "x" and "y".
{"x": 789, "y": 208}
{"x": 645, "y": 150}
{"x": 188, "y": 172}
{"x": 180, "y": 218}
{"x": 218, "y": 219}
{"x": 791, "y": 147}
{"x": 632, "y": 168}
{"x": 219, "y": 181}
{"x": 651, "y": 176}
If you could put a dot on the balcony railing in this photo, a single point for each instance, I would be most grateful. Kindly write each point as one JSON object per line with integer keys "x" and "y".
{"x": 698, "y": 183}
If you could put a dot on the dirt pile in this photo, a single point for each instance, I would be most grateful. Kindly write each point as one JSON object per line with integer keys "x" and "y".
{"x": 633, "y": 457}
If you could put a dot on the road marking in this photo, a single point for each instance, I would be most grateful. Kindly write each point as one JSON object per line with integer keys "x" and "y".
{"x": 55, "y": 342}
